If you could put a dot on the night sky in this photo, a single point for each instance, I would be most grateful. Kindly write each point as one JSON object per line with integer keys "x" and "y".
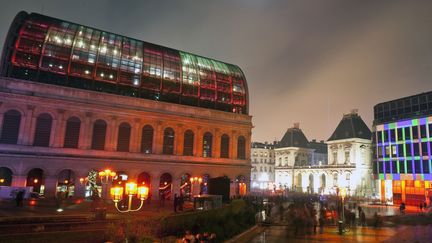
{"x": 305, "y": 61}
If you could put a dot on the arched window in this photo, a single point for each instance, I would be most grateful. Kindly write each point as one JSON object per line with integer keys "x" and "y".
{"x": 207, "y": 144}
{"x": 71, "y": 138}
{"x": 36, "y": 179}
{"x": 168, "y": 141}
{"x": 5, "y": 176}
{"x": 241, "y": 148}
{"x": 43, "y": 130}
{"x": 147, "y": 139}
{"x": 99, "y": 133}
{"x": 10, "y": 128}
{"x": 123, "y": 138}
{"x": 224, "y": 148}
{"x": 188, "y": 143}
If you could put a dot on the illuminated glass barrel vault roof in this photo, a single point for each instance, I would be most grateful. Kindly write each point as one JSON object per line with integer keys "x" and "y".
{"x": 49, "y": 50}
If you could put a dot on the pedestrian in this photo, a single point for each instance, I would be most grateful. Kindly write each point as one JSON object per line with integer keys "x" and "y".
{"x": 175, "y": 202}
{"x": 190, "y": 238}
{"x": 19, "y": 198}
{"x": 376, "y": 220}
{"x": 425, "y": 205}
{"x": 363, "y": 218}
{"x": 315, "y": 223}
{"x": 421, "y": 207}
{"x": 321, "y": 225}
{"x": 402, "y": 208}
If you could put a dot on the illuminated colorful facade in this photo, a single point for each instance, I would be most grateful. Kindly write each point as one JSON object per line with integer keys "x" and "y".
{"x": 75, "y": 100}
{"x": 402, "y": 138}
{"x": 48, "y": 50}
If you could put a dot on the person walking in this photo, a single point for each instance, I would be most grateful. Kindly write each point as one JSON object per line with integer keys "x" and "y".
{"x": 321, "y": 225}
{"x": 421, "y": 207}
{"x": 363, "y": 218}
{"x": 19, "y": 198}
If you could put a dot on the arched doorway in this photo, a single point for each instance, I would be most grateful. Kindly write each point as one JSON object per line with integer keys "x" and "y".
{"x": 35, "y": 178}
{"x": 204, "y": 184}
{"x": 311, "y": 184}
{"x": 65, "y": 184}
{"x": 144, "y": 179}
{"x": 5, "y": 176}
{"x": 185, "y": 186}
{"x": 241, "y": 188}
{"x": 165, "y": 186}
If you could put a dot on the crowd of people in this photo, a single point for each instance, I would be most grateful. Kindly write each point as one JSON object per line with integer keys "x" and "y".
{"x": 206, "y": 237}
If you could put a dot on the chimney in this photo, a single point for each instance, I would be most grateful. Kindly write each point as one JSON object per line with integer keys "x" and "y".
{"x": 297, "y": 125}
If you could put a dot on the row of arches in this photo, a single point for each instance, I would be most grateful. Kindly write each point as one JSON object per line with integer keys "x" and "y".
{"x": 72, "y": 132}
{"x": 67, "y": 181}
{"x": 316, "y": 182}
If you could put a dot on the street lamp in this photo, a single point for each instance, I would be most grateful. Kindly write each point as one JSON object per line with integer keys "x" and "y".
{"x": 106, "y": 177}
{"x": 342, "y": 191}
{"x": 131, "y": 189}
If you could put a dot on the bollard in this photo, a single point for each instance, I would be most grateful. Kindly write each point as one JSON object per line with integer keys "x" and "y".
{"x": 340, "y": 227}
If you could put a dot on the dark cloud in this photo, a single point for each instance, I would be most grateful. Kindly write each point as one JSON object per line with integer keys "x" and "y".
{"x": 305, "y": 61}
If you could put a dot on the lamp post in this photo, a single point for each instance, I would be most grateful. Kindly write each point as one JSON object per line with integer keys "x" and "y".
{"x": 106, "y": 177}
{"x": 131, "y": 189}
{"x": 342, "y": 191}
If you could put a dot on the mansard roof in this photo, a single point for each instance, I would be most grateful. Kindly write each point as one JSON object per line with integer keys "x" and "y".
{"x": 294, "y": 137}
{"x": 351, "y": 126}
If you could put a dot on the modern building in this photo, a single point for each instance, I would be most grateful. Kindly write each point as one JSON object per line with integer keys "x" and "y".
{"x": 402, "y": 149}
{"x": 318, "y": 167}
{"x": 263, "y": 166}
{"x": 75, "y": 100}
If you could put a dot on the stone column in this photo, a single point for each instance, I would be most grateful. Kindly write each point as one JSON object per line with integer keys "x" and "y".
{"x": 198, "y": 142}
{"x": 216, "y": 143}
{"x": 154, "y": 190}
{"x": 176, "y": 186}
{"x": 19, "y": 180}
{"x": 112, "y": 134}
{"x": 86, "y": 132}
{"x": 57, "y": 137}
{"x": 1, "y": 118}
{"x": 158, "y": 138}
{"x": 248, "y": 146}
{"x": 179, "y": 140}
{"x": 26, "y": 132}
{"x": 79, "y": 190}
{"x": 233, "y": 145}
{"x": 50, "y": 186}
{"x": 136, "y": 136}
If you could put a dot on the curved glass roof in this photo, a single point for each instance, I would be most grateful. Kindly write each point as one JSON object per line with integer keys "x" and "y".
{"x": 50, "y": 50}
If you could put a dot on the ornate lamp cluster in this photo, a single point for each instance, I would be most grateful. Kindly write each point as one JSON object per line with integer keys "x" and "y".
{"x": 131, "y": 189}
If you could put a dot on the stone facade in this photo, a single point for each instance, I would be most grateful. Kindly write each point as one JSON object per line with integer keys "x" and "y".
{"x": 61, "y": 103}
{"x": 347, "y": 162}
{"x": 263, "y": 165}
